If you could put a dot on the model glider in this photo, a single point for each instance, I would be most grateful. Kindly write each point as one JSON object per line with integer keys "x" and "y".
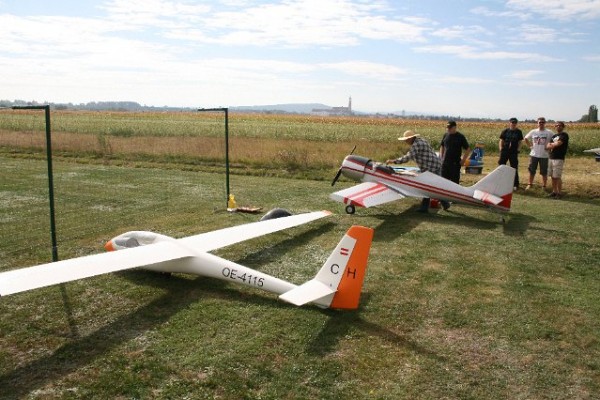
{"x": 336, "y": 285}
{"x": 382, "y": 184}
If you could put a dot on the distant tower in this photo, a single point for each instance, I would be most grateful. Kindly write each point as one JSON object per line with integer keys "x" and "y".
{"x": 593, "y": 114}
{"x": 350, "y": 105}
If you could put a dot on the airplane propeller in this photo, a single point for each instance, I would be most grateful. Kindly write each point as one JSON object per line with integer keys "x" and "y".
{"x": 337, "y": 176}
{"x": 339, "y": 172}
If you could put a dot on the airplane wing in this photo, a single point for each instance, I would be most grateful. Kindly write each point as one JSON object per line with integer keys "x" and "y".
{"x": 224, "y": 237}
{"x": 57, "y": 272}
{"x": 367, "y": 194}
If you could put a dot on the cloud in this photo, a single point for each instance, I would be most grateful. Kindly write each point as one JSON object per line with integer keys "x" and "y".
{"x": 547, "y": 84}
{"x": 532, "y": 34}
{"x": 464, "y": 80}
{"x": 525, "y": 74}
{"x": 592, "y": 58}
{"x": 472, "y": 53}
{"x": 460, "y": 32}
{"x": 566, "y": 10}
{"x": 326, "y": 23}
{"x": 507, "y": 14}
{"x": 368, "y": 70}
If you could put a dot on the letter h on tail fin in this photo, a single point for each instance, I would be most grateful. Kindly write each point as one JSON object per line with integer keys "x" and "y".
{"x": 339, "y": 282}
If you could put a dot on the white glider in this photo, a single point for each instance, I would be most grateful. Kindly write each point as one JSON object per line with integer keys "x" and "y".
{"x": 382, "y": 184}
{"x": 337, "y": 284}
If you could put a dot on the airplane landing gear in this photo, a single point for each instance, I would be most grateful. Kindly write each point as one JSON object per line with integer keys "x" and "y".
{"x": 350, "y": 209}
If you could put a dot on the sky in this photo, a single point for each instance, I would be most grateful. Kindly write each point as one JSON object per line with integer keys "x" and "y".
{"x": 486, "y": 58}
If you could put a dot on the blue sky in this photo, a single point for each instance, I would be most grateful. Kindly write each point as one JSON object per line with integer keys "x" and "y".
{"x": 487, "y": 58}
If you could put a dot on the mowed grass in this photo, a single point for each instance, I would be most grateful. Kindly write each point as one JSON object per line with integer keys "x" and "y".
{"x": 455, "y": 304}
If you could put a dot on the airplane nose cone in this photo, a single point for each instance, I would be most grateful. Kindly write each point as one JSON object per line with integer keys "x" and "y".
{"x": 109, "y": 246}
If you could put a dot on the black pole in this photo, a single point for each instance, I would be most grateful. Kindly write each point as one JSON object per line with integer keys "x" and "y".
{"x": 51, "y": 184}
{"x": 46, "y": 108}
{"x": 226, "y": 111}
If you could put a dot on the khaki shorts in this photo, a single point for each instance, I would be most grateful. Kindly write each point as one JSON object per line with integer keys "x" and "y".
{"x": 555, "y": 168}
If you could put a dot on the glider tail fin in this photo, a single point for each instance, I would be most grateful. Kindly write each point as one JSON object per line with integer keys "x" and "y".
{"x": 496, "y": 188}
{"x": 339, "y": 282}
{"x": 350, "y": 286}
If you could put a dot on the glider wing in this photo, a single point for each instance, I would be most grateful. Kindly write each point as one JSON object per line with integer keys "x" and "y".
{"x": 224, "y": 237}
{"x": 57, "y": 272}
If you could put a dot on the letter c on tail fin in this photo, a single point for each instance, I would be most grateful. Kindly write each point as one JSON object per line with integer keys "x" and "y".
{"x": 349, "y": 289}
{"x": 339, "y": 282}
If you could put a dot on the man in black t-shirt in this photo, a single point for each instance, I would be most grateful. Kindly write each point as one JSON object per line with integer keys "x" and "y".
{"x": 453, "y": 143}
{"x": 510, "y": 143}
{"x": 557, "y": 150}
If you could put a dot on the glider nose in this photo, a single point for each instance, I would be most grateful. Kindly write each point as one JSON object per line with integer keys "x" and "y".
{"x": 109, "y": 246}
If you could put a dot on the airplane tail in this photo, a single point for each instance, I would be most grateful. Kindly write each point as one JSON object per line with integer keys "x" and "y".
{"x": 496, "y": 188}
{"x": 339, "y": 282}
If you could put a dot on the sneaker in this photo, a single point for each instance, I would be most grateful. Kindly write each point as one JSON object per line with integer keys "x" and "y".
{"x": 528, "y": 187}
{"x": 515, "y": 188}
{"x": 553, "y": 195}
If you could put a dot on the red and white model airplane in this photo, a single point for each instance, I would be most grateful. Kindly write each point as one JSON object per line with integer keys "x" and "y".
{"x": 382, "y": 184}
{"x": 337, "y": 284}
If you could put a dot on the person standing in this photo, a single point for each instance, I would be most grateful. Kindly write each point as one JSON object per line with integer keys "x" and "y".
{"x": 421, "y": 152}
{"x": 453, "y": 143}
{"x": 511, "y": 140}
{"x": 537, "y": 139}
{"x": 557, "y": 150}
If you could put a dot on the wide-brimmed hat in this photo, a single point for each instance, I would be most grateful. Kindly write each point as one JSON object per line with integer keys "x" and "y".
{"x": 408, "y": 135}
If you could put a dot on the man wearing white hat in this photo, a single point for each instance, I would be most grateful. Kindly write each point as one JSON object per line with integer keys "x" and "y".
{"x": 422, "y": 153}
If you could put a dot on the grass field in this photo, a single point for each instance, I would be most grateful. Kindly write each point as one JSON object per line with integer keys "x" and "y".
{"x": 291, "y": 146}
{"x": 455, "y": 304}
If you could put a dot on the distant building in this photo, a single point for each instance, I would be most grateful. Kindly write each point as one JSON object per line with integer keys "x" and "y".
{"x": 334, "y": 110}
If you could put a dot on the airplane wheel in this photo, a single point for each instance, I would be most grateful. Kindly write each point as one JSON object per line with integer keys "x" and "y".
{"x": 350, "y": 209}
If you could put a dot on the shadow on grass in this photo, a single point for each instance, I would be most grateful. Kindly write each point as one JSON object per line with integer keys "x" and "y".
{"x": 393, "y": 225}
{"x": 517, "y": 224}
{"x": 78, "y": 353}
{"x": 341, "y": 322}
{"x": 273, "y": 252}
{"x": 181, "y": 292}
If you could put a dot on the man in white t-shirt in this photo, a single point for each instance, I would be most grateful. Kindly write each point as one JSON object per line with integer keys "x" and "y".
{"x": 537, "y": 139}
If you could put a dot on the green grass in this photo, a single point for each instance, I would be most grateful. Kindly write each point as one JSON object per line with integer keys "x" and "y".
{"x": 455, "y": 305}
